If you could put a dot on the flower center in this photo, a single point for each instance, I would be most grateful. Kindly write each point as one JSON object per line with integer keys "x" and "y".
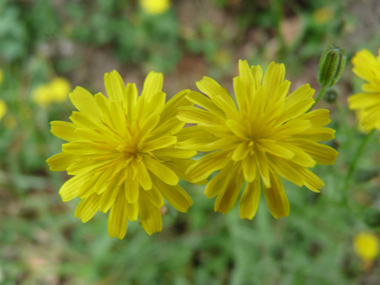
{"x": 127, "y": 150}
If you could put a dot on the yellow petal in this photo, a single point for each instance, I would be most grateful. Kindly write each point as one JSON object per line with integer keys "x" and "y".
{"x": 191, "y": 132}
{"x": 205, "y": 103}
{"x": 212, "y": 88}
{"x": 318, "y": 118}
{"x": 143, "y": 177}
{"x": 238, "y": 129}
{"x": 262, "y": 163}
{"x": 157, "y": 103}
{"x": 227, "y": 143}
{"x": 175, "y": 152}
{"x": 133, "y": 211}
{"x": 322, "y": 154}
{"x": 168, "y": 128}
{"x": 64, "y": 130}
{"x": 312, "y": 181}
{"x": 147, "y": 126}
{"x": 109, "y": 196}
{"x": 276, "y": 148}
{"x": 249, "y": 168}
{"x": 102, "y": 183}
{"x": 202, "y": 168}
{"x": 70, "y": 188}
{"x": 159, "y": 143}
{"x": 275, "y": 196}
{"x": 118, "y": 217}
{"x": 363, "y": 100}
{"x": 249, "y": 200}
{"x": 273, "y": 77}
{"x": 114, "y": 86}
{"x": 175, "y": 195}
{"x": 171, "y": 107}
{"x": 290, "y": 128}
{"x": 88, "y": 187}
{"x": 317, "y": 134}
{"x": 219, "y": 181}
{"x": 197, "y": 116}
{"x": 150, "y": 216}
{"x": 61, "y": 161}
{"x": 241, "y": 151}
{"x": 84, "y": 102}
{"x": 131, "y": 187}
{"x": 87, "y": 208}
{"x": 227, "y": 198}
{"x": 288, "y": 170}
{"x": 152, "y": 84}
{"x": 161, "y": 171}
{"x": 130, "y": 98}
{"x": 155, "y": 197}
{"x": 104, "y": 107}
{"x": 229, "y": 109}
{"x": 179, "y": 166}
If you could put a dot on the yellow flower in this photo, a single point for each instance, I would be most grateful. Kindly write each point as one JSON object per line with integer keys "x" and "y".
{"x": 323, "y": 15}
{"x": 10, "y": 122}
{"x": 367, "y": 103}
{"x": 366, "y": 246}
{"x": 122, "y": 151}
{"x": 1, "y": 76}
{"x": 3, "y": 108}
{"x": 155, "y": 7}
{"x": 269, "y": 135}
{"x": 56, "y": 91}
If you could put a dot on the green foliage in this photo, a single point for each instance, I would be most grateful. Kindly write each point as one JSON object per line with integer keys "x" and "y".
{"x": 41, "y": 241}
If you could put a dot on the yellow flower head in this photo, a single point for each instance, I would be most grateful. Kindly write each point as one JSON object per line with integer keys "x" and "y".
{"x": 366, "y": 246}
{"x": 367, "y": 103}
{"x": 56, "y": 91}
{"x": 267, "y": 135}
{"x": 323, "y": 15}
{"x": 155, "y": 7}
{"x": 122, "y": 151}
{"x": 3, "y": 108}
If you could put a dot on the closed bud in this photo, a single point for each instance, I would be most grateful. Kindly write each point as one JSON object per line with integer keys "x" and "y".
{"x": 330, "y": 95}
{"x": 372, "y": 217}
{"x": 331, "y": 66}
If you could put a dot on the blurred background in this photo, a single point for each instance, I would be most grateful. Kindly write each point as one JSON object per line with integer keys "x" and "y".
{"x": 49, "y": 47}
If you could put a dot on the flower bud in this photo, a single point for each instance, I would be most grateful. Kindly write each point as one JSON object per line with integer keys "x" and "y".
{"x": 331, "y": 66}
{"x": 372, "y": 217}
{"x": 330, "y": 95}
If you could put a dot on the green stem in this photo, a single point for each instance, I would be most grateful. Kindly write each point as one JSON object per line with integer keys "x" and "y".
{"x": 356, "y": 159}
{"x": 277, "y": 11}
{"x": 319, "y": 96}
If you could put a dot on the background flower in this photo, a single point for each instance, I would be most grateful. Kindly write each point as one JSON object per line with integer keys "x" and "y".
{"x": 367, "y": 103}
{"x": 3, "y": 108}
{"x": 155, "y": 7}
{"x": 56, "y": 91}
{"x": 366, "y": 246}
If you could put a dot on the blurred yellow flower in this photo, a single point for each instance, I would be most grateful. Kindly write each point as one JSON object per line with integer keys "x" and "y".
{"x": 155, "y": 7}
{"x": 1, "y": 76}
{"x": 267, "y": 135}
{"x": 56, "y": 91}
{"x": 10, "y": 122}
{"x": 323, "y": 15}
{"x": 3, "y": 108}
{"x": 122, "y": 151}
{"x": 367, "y": 103}
{"x": 366, "y": 246}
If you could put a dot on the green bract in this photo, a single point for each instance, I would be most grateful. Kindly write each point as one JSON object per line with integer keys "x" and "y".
{"x": 331, "y": 66}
